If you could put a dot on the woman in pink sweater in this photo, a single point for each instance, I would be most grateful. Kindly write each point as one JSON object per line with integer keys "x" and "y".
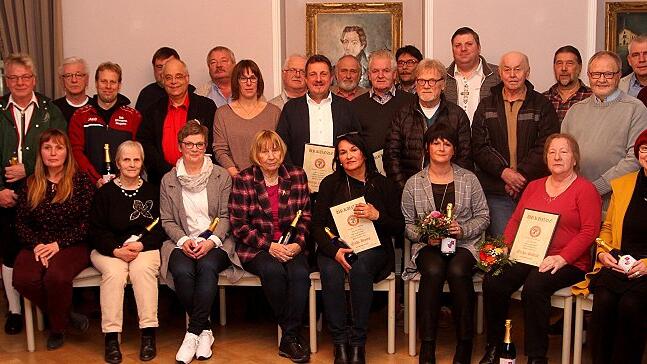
{"x": 568, "y": 258}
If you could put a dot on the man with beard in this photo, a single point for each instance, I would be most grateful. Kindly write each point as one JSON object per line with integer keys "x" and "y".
{"x": 347, "y": 73}
{"x": 106, "y": 119}
{"x": 294, "y": 80}
{"x": 569, "y": 89}
{"x": 73, "y": 74}
{"x": 407, "y": 58}
{"x": 353, "y": 42}
{"x": 221, "y": 62}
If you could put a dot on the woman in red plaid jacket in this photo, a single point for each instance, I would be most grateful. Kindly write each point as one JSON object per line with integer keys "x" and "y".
{"x": 264, "y": 201}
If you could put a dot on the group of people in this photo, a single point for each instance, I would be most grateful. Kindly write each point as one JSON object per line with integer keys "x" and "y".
{"x": 221, "y": 169}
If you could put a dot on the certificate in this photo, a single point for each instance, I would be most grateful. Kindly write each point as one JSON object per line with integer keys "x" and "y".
{"x": 317, "y": 163}
{"x": 535, "y": 232}
{"x": 358, "y": 233}
{"x": 378, "y": 161}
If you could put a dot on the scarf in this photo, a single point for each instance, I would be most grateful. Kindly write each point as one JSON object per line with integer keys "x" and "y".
{"x": 194, "y": 183}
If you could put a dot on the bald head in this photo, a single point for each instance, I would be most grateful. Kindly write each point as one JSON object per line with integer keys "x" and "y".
{"x": 175, "y": 76}
{"x": 514, "y": 69}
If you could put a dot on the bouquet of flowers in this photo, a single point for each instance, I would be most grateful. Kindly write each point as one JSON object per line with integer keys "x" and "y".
{"x": 434, "y": 226}
{"x": 492, "y": 256}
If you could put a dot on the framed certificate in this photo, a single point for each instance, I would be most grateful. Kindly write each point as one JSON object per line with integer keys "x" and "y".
{"x": 534, "y": 235}
{"x": 358, "y": 233}
{"x": 317, "y": 163}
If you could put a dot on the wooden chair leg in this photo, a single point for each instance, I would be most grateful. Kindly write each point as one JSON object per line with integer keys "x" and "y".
{"x": 312, "y": 315}
{"x": 40, "y": 321}
{"x": 411, "y": 294}
{"x": 566, "y": 334}
{"x": 577, "y": 340}
{"x": 479, "y": 313}
{"x": 279, "y": 335}
{"x": 391, "y": 319}
{"x": 29, "y": 327}
{"x": 406, "y": 306}
{"x": 223, "y": 306}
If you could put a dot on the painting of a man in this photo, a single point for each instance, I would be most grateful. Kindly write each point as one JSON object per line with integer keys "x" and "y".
{"x": 353, "y": 41}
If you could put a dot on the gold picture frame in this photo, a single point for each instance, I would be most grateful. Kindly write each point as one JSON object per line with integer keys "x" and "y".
{"x": 325, "y": 22}
{"x": 624, "y": 21}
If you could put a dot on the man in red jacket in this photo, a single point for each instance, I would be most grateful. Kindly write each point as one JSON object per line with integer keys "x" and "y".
{"x": 106, "y": 119}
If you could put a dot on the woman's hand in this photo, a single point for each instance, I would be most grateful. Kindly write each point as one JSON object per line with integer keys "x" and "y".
{"x": 339, "y": 257}
{"x": 202, "y": 247}
{"x": 188, "y": 248}
{"x": 125, "y": 253}
{"x": 45, "y": 252}
{"x": 280, "y": 252}
{"x": 552, "y": 263}
{"x": 366, "y": 211}
{"x": 609, "y": 261}
{"x": 455, "y": 229}
{"x": 293, "y": 250}
{"x": 638, "y": 270}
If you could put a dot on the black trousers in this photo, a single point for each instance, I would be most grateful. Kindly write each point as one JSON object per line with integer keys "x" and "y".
{"x": 619, "y": 325}
{"x": 10, "y": 245}
{"x": 457, "y": 270}
{"x": 286, "y": 287}
{"x": 196, "y": 284}
{"x": 535, "y": 297}
{"x": 360, "y": 278}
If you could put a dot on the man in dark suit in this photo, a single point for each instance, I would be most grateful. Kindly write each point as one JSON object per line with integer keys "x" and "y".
{"x": 164, "y": 118}
{"x": 317, "y": 117}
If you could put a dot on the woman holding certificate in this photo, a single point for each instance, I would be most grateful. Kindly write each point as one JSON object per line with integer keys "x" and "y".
{"x": 567, "y": 257}
{"x": 355, "y": 176}
{"x": 269, "y": 211}
{"x": 434, "y": 188}
{"x": 620, "y": 286}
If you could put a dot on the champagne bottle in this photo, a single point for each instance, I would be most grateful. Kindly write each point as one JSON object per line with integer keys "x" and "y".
{"x": 12, "y": 185}
{"x": 350, "y": 257}
{"x": 508, "y": 351}
{"x": 106, "y": 166}
{"x": 212, "y": 227}
{"x": 448, "y": 244}
{"x": 625, "y": 261}
{"x": 13, "y": 161}
{"x": 146, "y": 230}
{"x": 288, "y": 235}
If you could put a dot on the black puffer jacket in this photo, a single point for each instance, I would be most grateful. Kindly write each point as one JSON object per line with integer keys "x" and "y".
{"x": 536, "y": 120}
{"x": 404, "y": 150}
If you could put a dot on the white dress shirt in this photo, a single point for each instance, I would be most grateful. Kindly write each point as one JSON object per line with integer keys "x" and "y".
{"x": 17, "y": 111}
{"x": 321, "y": 125}
{"x": 469, "y": 89}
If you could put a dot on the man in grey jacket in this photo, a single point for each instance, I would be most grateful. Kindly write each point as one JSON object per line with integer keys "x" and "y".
{"x": 632, "y": 83}
{"x": 469, "y": 76}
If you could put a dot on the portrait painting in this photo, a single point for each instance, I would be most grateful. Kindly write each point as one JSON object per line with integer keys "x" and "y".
{"x": 358, "y": 29}
{"x": 624, "y": 21}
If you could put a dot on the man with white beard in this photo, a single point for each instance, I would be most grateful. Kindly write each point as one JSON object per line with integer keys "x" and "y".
{"x": 347, "y": 74}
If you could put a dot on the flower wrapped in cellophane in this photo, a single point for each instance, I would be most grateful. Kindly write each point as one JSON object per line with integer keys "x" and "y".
{"x": 434, "y": 226}
{"x": 493, "y": 255}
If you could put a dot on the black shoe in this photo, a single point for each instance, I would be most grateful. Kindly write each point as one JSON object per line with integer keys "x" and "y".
{"x": 147, "y": 350}
{"x": 556, "y": 328}
{"x": 55, "y": 340}
{"x": 357, "y": 355}
{"x": 13, "y": 325}
{"x": 538, "y": 360}
{"x": 491, "y": 355}
{"x": 79, "y": 322}
{"x": 341, "y": 354}
{"x": 292, "y": 349}
{"x": 463, "y": 353}
{"x": 427, "y": 352}
{"x": 112, "y": 354}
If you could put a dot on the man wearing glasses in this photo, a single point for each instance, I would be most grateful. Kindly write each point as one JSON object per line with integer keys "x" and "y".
{"x": 469, "y": 77}
{"x": 106, "y": 119}
{"x": 407, "y": 58}
{"x": 24, "y": 115}
{"x": 606, "y": 125}
{"x": 73, "y": 74}
{"x": 163, "y": 120}
{"x": 294, "y": 80}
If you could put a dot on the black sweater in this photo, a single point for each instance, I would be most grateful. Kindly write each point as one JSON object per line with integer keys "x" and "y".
{"x": 378, "y": 191}
{"x": 115, "y": 217}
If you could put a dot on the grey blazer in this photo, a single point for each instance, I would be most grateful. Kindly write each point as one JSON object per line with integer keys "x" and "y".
{"x": 174, "y": 218}
{"x": 470, "y": 210}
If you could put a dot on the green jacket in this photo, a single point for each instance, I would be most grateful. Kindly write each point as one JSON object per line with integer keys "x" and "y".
{"x": 46, "y": 115}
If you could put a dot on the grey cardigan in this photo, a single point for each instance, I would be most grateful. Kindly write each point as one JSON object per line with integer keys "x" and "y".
{"x": 174, "y": 218}
{"x": 470, "y": 210}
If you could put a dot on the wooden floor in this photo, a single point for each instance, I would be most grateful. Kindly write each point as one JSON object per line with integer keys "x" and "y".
{"x": 249, "y": 337}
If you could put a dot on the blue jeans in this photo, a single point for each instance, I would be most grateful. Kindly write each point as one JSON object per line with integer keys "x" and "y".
{"x": 196, "y": 284}
{"x": 501, "y": 208}
{"x": 369, "y": 264}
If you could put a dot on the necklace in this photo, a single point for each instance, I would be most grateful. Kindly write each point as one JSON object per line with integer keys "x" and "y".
{"x": 123, "y": 190}
{"x": 558, "y": 191}
{"x": 248, "y": 113}
{"x": 269, "y": 182}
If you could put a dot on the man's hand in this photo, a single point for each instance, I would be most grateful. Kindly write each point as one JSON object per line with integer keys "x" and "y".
{"x": 15, "y": 172}
{"x": 514, "y": 179}
{"x": 8, "y": 198}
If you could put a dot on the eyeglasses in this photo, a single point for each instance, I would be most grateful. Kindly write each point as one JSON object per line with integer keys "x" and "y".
{"x": 176, "y": 77}
{"x": 14, "y": 78}
{"x": 295, "y": 71}
{"x": 251, "y": 79}
{"x": 409, "y": 63}
{"x": 69, "y": 76}
{"x": 607, "y": 75}
{"x": 643, "y": 149}
{"x": 199, "y": 145}
{"x": 432, "y": 81}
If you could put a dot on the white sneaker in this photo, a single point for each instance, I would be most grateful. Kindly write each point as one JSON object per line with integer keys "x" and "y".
{"x": 205, "y": 340}
{"x": 186, "y": 353}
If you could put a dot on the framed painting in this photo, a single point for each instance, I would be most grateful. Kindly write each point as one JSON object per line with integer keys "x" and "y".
{"x": 337, "y": 29}
{"x": 624, "y": 21}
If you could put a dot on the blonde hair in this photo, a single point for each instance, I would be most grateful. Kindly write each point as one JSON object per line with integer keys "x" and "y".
{"x": 262, "y": 139}
{"x": 37, "y": 183}
{"x": 20, "y": 59}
